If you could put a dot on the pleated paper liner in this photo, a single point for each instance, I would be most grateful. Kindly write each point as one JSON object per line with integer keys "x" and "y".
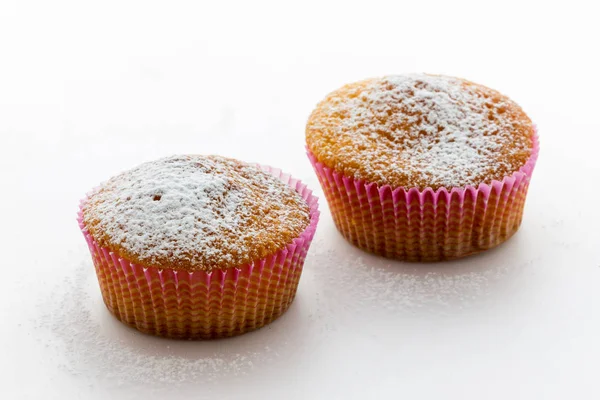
{"x": 201, "y": 305}
{"x": 426, "y": 225}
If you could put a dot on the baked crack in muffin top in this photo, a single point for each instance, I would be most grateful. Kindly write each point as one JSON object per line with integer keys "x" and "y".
{"x": 420, "y": 131}
{"x": 191, "y": 212}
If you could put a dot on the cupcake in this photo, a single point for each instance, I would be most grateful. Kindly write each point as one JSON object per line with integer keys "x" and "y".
{"x": 422, "y": 167}
{"x": 198, "y": 247}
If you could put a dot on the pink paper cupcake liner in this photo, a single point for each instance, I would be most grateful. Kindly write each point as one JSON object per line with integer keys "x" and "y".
{"x": 426, "y": 225}
{"x": 204, "y": 305}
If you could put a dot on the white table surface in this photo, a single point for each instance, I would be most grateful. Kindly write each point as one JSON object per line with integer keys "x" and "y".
{"x": 89, "y": 90}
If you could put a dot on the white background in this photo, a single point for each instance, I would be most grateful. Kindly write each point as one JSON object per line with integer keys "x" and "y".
{"x": 89, "y": 89}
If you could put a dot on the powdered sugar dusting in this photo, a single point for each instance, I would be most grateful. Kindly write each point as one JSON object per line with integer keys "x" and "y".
{"x": 195, "y": 212}
{"x": 420, "y": 130}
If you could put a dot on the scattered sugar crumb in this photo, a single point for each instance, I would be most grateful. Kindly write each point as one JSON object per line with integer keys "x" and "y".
{"x": 91, "y": 351}
{"x": 354, "y": 284}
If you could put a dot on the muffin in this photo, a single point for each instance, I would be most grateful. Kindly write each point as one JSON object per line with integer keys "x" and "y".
{"x": 198, "y": 247}
{"x": 422, "y": 167}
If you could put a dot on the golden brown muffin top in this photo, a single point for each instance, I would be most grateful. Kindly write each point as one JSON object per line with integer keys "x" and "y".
{"x": 420, "y": 131}
{"x": 192, "y": 212}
